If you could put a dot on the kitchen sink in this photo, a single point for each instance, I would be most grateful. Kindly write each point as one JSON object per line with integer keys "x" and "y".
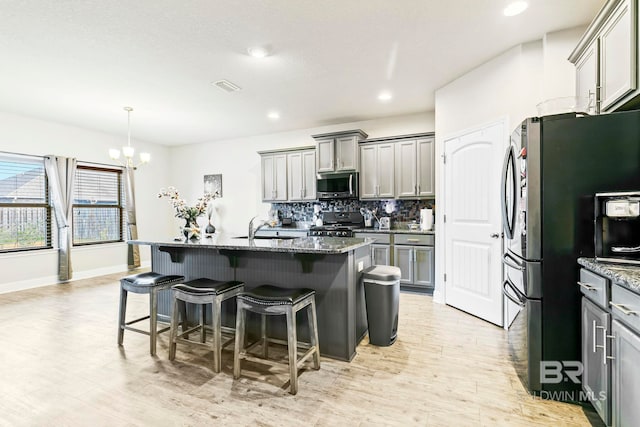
{"x": 267, "y": 237}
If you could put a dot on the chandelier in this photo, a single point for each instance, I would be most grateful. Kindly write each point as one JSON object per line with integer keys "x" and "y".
{"x": 128, "y": 151}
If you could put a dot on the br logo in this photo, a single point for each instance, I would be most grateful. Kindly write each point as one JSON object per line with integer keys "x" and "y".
{"x": 555, "y": 372}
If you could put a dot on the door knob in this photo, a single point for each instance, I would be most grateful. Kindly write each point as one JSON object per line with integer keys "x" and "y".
{"x": 494, "y": 235}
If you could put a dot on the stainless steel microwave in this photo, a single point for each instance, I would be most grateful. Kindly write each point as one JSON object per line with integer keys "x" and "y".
{"x": 337, "y": 186}
{"x": 617, "y": 227}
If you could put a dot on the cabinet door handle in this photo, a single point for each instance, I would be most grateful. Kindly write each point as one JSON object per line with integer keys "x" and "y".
{"x": 595, "y": 347}
{"x": 413, "y": 240}
{"x": 587, "y": 286}
{"x": 415, "y": 189}
{"x": 623, "y": 309}
{"x": 418, "y": 192}
{"x": 604, "y": 346}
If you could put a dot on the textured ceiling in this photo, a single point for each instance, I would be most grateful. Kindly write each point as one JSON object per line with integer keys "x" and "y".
{"x": 79, "y": 62}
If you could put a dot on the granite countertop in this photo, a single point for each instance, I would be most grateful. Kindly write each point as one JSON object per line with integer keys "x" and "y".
{"x": 393, "y": 230}
{"x": 626, "y": 275}
{"x": 310, "y": 245}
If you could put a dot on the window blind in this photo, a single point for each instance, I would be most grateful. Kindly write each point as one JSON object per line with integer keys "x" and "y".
{"x": 25, "y": 214}
{"x": 97, "y": 205}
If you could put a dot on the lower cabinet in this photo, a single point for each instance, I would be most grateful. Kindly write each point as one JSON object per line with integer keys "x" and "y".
{"x": 380, "y": 249}
{"x": 414, "y": 255}
{"x": 625, "y": 396}
{"x": 625, "y": 372}
{"x": 611, "y": 348}
{"x": 596, "y": 378}
{"x": 381, "y": 254}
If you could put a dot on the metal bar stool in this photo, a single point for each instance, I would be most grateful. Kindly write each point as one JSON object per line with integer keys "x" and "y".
{"x": 202, "y": 292}
{"x": 144, "y": 283}
{"x": 273, "y": 300}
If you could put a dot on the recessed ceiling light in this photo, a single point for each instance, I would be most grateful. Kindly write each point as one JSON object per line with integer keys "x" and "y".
{"x": 515, "y": 8}
{"x": 273, "y": 115}
{"x": 258, "y": 51}
{"x": 385, "y": 96}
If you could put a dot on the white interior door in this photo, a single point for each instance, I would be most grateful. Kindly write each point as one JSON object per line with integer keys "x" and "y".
{"x": 473, "y": 243}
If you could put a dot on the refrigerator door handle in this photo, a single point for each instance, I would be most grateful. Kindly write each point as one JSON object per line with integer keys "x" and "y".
{"x": 515, "y": 299}
{"x": 508, "y": 223}
{"x": 509, "y": 261}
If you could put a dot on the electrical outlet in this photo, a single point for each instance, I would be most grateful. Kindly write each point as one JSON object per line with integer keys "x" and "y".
{"x": 360, "y": 265}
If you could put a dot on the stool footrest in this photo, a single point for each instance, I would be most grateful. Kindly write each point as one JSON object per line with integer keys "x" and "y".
{"x": 131, "y": 322}
{"x": 305, "y": 356}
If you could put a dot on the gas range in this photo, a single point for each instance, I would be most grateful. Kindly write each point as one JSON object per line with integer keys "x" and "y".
{"x": 331, "y": 231}
{"x": 338, "y": 224}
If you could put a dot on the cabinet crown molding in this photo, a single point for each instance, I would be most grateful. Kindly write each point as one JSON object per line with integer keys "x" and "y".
{"x": 593, "y": 29}
{"x": 400, "y": 137}
{"x": 287, "y": 150}
{"x": 354, "y": 132}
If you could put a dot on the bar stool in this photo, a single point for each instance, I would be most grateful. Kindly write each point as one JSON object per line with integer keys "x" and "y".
{"x": 273, "y": 300}
{"x": 202, "y": 292}
{"x": 144, "y": 283}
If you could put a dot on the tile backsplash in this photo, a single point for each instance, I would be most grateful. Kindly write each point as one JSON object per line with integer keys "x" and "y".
{"x": 403, "y": 210}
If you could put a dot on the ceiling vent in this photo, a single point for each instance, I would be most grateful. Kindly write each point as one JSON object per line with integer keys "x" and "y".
{"x": 227, "y": 86}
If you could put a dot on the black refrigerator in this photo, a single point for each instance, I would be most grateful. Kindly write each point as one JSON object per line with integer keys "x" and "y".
{"x": 552, "y": 170}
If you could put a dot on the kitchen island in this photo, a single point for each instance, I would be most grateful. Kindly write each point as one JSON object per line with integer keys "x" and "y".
{"x": 331, "y": 266}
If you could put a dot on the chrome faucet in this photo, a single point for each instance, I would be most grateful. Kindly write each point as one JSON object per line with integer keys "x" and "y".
{"x": 252, "y": 231}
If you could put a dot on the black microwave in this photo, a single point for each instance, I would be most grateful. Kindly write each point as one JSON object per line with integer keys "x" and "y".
{"x": 337, "y": 186}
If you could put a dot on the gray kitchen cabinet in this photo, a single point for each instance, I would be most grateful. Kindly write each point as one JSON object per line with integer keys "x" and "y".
{"x": 607, "y": 55}
{"x": 414, "y": 255}
{"x": 380, "y": 249}
{"x": 301, "y": 175}
{"x": 587, "y": 77}
{"x": 377, "y": 171}
{"x": 596, "y": 379}
{"x": 338, "y": 151}
{"x": 415, "y": 168}
{"x": 274, "y": 177}
{"x": 425, "y": 167}
{"x": 625, "y": 410}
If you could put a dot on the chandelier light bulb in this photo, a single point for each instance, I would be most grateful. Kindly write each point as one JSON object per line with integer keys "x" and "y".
{"x": 145, "y": 157}
{"x": 114, "y": 153}
{"x": 128, "y": 151}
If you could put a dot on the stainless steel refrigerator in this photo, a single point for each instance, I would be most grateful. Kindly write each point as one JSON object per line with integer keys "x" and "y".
{"x": 552, "y": 170}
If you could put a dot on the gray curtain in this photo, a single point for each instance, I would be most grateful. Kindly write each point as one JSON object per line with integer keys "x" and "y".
{"x": 133, "y": 251}
{"x": 61, "y": 173}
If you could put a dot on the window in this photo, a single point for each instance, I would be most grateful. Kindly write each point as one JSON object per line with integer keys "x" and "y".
{"x": 98, "y": 206}
{"x": 25, "y": 215}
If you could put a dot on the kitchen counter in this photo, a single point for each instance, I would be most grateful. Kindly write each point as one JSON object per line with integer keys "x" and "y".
{"x": 332, "y": 266}
{"x": 393, "y": 230}
{"x": 308, "y": 245}
{"x": 626, "y": 275}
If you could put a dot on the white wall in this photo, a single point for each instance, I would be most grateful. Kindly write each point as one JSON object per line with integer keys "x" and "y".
{"x": 180, "y": 166}
{"x": 238, "y": 162}
{"x": 509, "y": 87}
{"x": 24, "y": 135}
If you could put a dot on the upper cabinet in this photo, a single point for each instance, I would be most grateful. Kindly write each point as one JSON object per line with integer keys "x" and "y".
{"x": 606, "y": 59}
{"x": 288, "y": 175}
{"x": 414, "y": 167}
{"x": 302, "y": 175}
{"x": 398, "y": 167}
{"x": 338, "y": 151}
{"x": 274, "y": 177}
{"x": 377, "y": 171}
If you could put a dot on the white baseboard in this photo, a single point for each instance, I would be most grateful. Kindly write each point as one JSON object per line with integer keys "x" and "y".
{"x": 52, "y": 280}
{"x": 438, "y": 296}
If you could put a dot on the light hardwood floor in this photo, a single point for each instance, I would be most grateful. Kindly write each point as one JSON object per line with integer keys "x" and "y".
{"x": 60, "y": 366}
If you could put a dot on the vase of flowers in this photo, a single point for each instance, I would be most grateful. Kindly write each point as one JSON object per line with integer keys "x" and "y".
{"x": 188, "y": 213}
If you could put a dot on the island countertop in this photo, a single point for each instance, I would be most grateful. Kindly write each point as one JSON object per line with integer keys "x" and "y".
{"x": 310, "y": 245}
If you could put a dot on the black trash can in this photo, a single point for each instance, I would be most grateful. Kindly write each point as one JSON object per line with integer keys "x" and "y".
{"x": 382, "y": 298}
